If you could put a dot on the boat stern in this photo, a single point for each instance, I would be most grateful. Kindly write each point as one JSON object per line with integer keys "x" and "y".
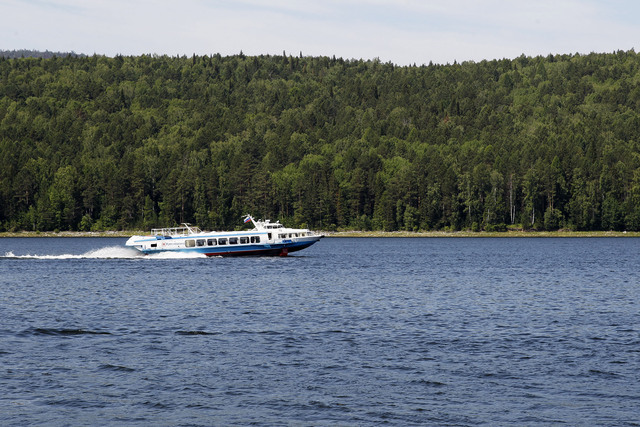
{"x": 136, "y": 242}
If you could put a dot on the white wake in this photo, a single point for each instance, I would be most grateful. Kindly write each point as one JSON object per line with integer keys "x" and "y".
{"x": 109, "y": 252}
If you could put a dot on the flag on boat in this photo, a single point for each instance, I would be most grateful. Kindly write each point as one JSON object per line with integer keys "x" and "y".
{"x": 247, "y": 219}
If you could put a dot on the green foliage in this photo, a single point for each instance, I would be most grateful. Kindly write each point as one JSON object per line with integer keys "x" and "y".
{"x": 94, "y": 143}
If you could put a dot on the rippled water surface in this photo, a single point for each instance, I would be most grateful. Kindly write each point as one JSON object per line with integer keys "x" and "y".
{"x": 350, "y": 331}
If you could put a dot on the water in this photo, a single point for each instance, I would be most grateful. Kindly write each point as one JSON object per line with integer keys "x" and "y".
{"x": 348, "y": 332}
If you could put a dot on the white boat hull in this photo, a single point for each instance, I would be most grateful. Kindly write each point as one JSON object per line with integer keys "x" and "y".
{"x": 264, "y": 240}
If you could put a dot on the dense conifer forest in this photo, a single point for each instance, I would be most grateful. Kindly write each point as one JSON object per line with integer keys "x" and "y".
{"x": 99, "y": 143}
{"x": 26, "y": 53}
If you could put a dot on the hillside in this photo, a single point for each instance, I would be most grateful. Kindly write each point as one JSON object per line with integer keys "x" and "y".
{"x": 131, "y": 142}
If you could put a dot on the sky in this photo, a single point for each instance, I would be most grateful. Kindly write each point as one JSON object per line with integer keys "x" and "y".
{"x": 403, "y": 32}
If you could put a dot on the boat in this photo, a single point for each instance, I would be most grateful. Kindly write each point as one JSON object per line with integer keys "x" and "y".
{"x": 266, "y": 238}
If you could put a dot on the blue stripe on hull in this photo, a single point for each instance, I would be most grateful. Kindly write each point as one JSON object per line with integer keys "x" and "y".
{"x": 273, "y": 250}
{"x": 244, "y": 250}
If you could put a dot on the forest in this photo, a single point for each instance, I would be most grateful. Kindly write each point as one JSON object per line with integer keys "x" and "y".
{"x": 132, "y": 142}
{"x": 27, "y": 53}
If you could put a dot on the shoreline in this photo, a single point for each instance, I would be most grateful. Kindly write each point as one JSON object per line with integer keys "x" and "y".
{"x": 28, "y": 234}
{"x": 481, "y": 234}
{"x": 340, "y": 234}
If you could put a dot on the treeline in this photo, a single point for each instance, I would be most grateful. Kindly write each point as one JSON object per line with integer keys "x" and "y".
{"x": 94, "y": 143}
{"x": 27, "y": 53}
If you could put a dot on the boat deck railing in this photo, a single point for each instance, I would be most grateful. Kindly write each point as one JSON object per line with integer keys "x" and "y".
{"x": 175, "y": 231}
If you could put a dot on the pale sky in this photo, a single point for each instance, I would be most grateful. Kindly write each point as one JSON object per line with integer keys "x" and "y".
{"x": 400, "y": 31}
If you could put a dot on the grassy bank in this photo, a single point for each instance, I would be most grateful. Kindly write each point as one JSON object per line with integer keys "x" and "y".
{"x": 69, "y": 233}
{"x": 506, "y": 234}
{"x": 562, "y": 233}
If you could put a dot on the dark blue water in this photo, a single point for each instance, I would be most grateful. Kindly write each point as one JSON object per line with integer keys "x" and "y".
{"x": 349, "y": 332}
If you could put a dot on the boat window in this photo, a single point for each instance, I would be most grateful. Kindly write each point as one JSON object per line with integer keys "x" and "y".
{"x": 200, "y": 242}
{"x": 222, "y": 241}
{"x": 154, "y": 245}
{"x": 190, "y": 243}
{"x": 269, "y": 236}
{"x": 211, "y": 242}
{"x": 233, "y": 240}
{"x": 255, "y": 239}
{"x": 244, "y": 240}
